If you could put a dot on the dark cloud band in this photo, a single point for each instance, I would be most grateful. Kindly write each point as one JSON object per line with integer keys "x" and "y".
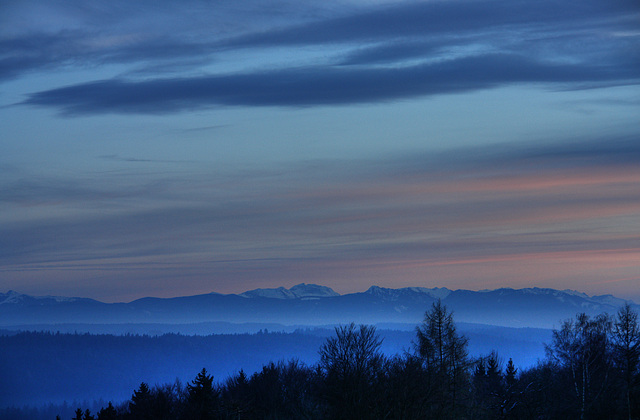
{"x": 317, "y": 85}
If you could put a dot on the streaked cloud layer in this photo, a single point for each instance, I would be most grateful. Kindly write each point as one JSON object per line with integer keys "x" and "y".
{"x": 393, "y": 51}
{"x": 166, "y": 148}
{"x": 539, "y": 217}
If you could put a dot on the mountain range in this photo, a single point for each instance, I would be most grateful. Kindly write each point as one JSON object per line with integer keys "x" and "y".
{"x": 310, "y": 304}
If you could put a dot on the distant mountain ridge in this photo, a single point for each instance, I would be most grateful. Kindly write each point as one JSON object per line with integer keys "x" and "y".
{"x": 311, "y": 304}
{"x": 299, "y": 291}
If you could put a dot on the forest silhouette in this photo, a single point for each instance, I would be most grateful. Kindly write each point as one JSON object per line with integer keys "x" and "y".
{"x": 591, "y": 371}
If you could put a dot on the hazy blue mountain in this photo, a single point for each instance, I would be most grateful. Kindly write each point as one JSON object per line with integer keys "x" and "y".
{"x": 299, "y": 291}
{"x": 308, "y": 304}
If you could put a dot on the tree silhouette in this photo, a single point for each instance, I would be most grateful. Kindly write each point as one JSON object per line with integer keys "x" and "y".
{"x": 237, "y": 396}
{"x": 78, "y": 415}
{"x": 582, "y": 347}
{"x": 510, "y": 374}
{"x": 108, "y": 413}
{"x": 445, "y": 354}
{"x": 141, "y": 401}
{"x": 202, "y": 397}
{"x": 351, "y": 362}
{"x": 494, "y": 374}
{"x": 626, "y": 338}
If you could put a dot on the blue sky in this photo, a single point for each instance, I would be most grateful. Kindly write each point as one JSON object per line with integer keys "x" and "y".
{"x": 167, "y": 148}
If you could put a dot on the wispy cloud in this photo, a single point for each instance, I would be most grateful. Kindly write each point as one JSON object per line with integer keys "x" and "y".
{"x": 414, "y": 20}
{"x": 41, "y": 36}
{"x": 394, "y": 52}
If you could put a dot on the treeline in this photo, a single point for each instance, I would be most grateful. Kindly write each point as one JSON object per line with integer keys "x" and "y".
{"x": 38, "y": 368}
{"x": 591, "y": 371}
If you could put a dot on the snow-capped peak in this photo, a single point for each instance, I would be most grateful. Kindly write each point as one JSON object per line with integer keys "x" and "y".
{"x": 436, "y": 293}
{"x": 13, "y": 297}
{"x": 381, "y": 291}
{"x": 303, "y": 290}
{"x": 277, "y": 293}
{"x": 299, "y": 291}
{"x": 575, "y": 293}
{"x": 609, "y": 300}
{"x": 553, "y": 292}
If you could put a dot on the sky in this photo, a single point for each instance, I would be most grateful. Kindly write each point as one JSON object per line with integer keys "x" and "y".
{"x": 168, "y": 148}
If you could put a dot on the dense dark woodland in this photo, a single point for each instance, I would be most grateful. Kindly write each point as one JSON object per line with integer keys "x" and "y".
{"x": 591, "y": 371}
{"x": 41, "y": 367}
